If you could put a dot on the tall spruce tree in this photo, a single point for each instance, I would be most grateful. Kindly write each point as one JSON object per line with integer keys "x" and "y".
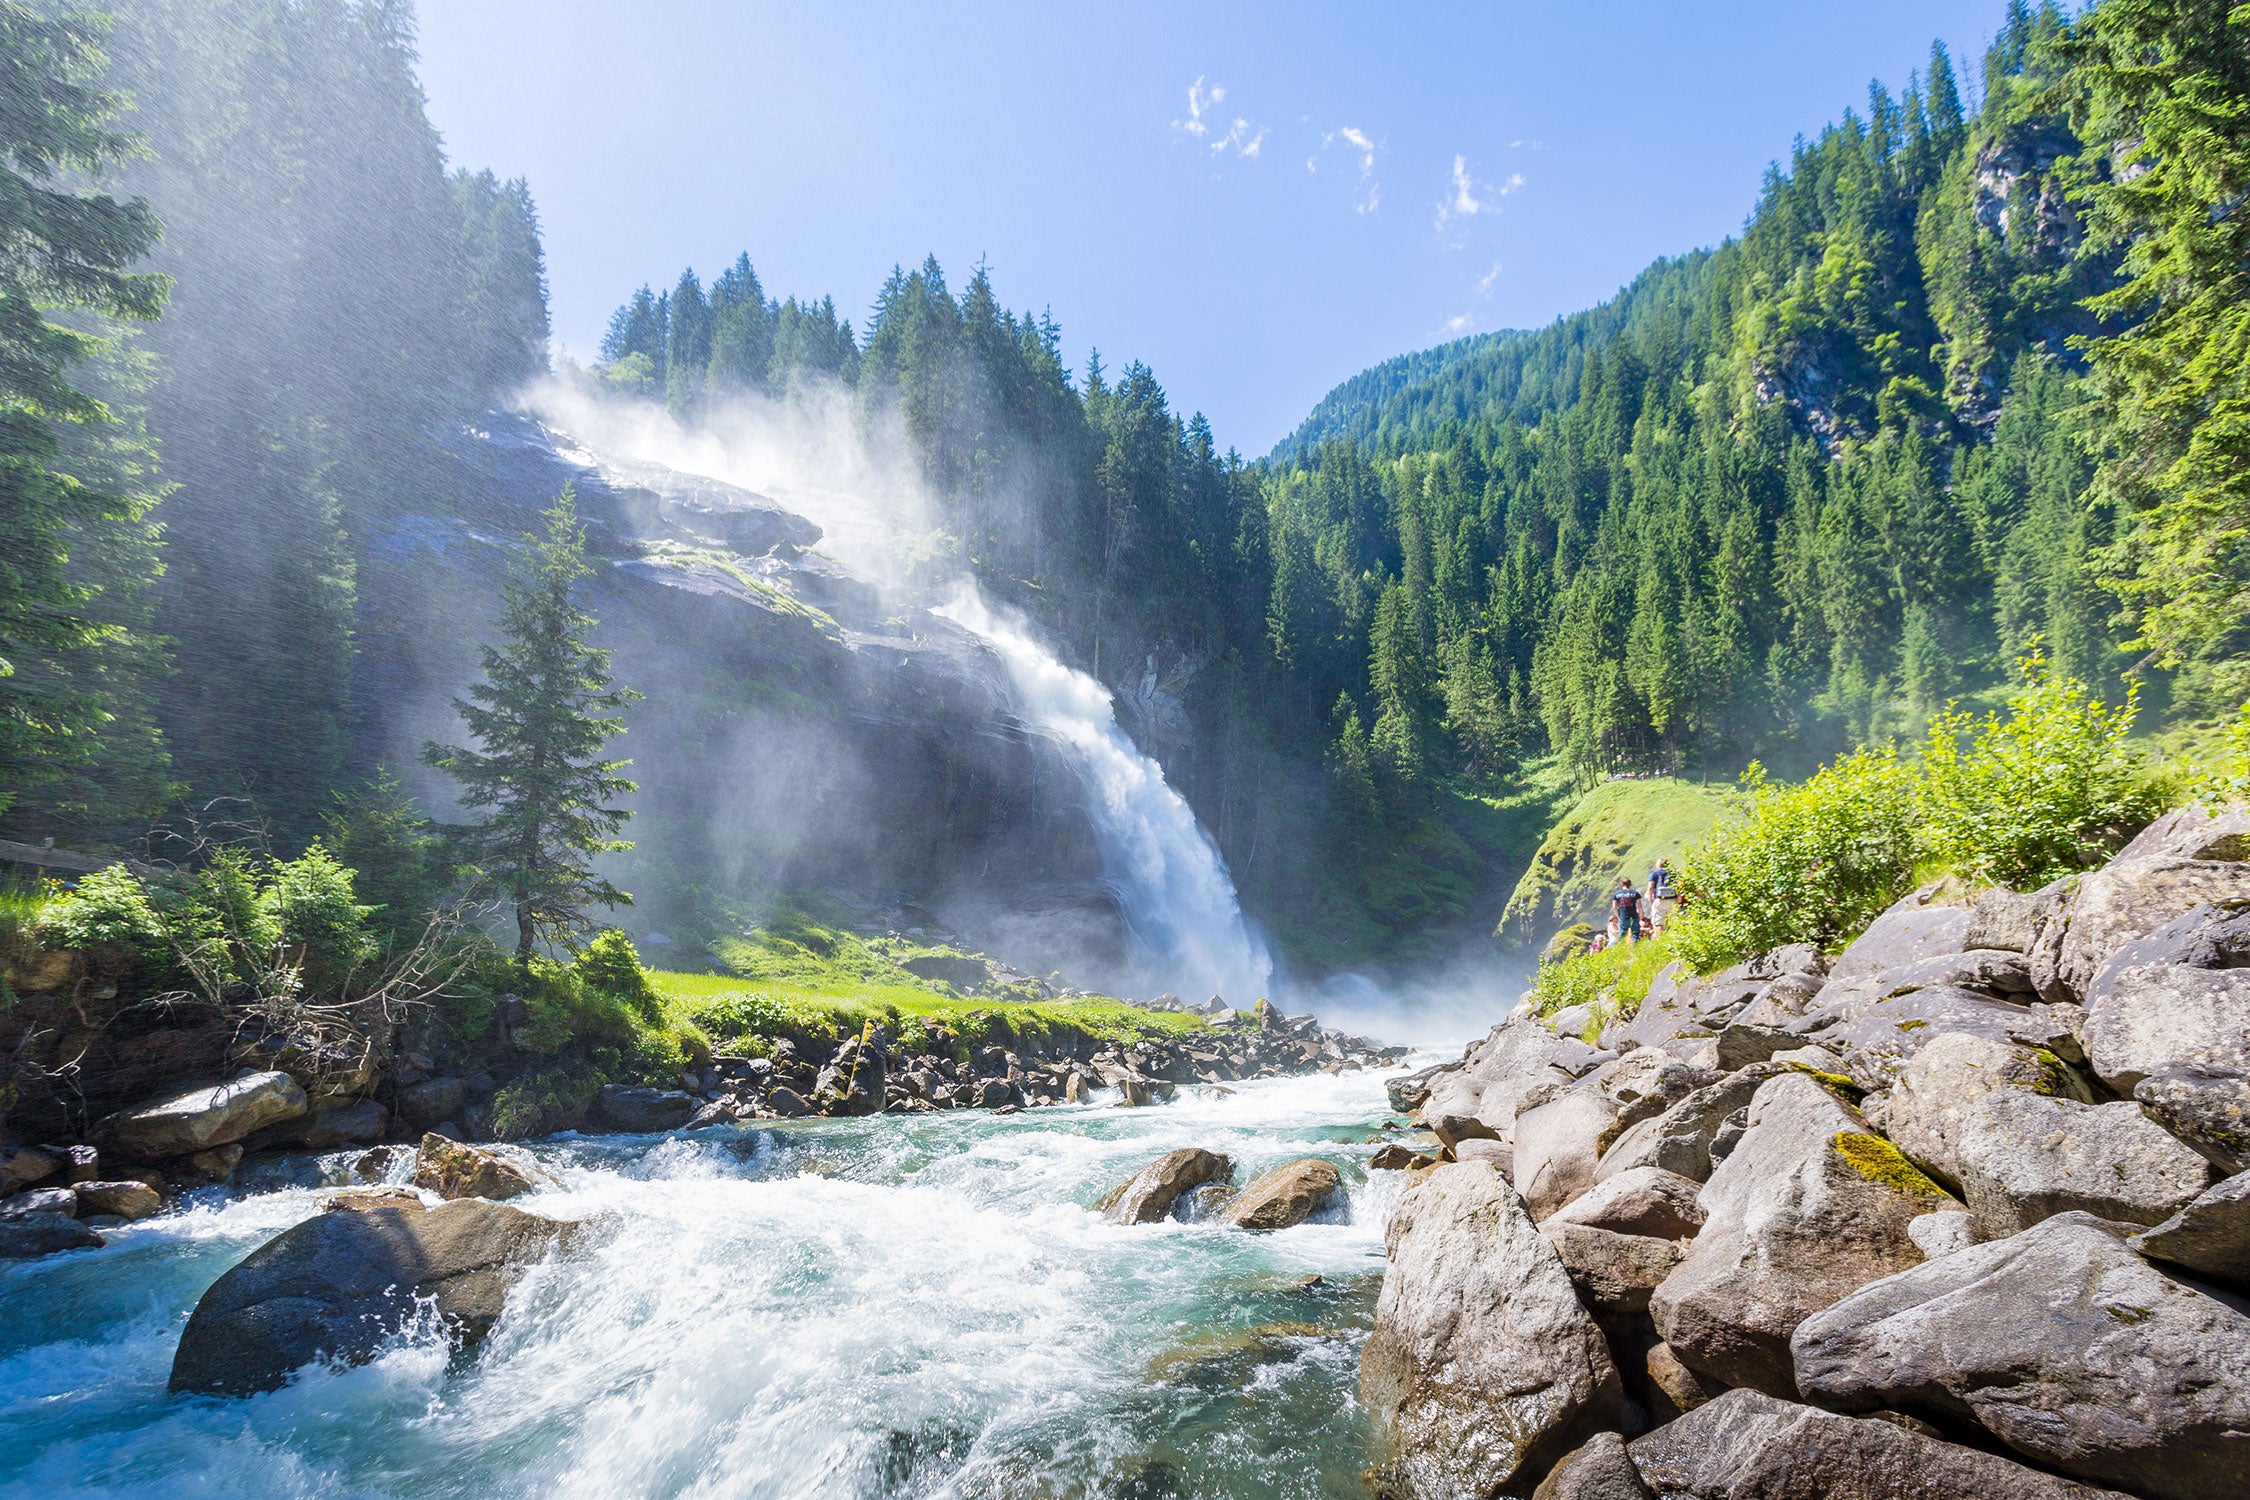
{"x": 68, "y": 647}
{"x": 542, "y": 715}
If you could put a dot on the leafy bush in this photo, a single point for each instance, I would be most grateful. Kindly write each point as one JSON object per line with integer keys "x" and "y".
{"x": 1613, "y": 982}
{"x": 109, "y": 909}
{"x": 610, "y": 965}
{"x": 309, "y": 901}
{"x": 543, "y": 1102}
{"x": 1812, "y": 863}
{"x": 2052, "y": 788}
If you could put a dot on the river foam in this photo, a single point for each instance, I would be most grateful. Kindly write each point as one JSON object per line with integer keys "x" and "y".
{"x": 908, "y": 1306}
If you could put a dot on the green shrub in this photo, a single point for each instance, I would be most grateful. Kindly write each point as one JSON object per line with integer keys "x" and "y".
{"x": 2052, "y": 788}
{"x": 1613, "y": 982}
{"x": 397, "y": 861}
{"x": 312, "y": 910}
{"x": 113, "y": 909}
{"x": 1812, "y": 863}
{"x": 610, "y": 965}
{"x": 543, "y": 1102}
{"x": 228, "y": 890}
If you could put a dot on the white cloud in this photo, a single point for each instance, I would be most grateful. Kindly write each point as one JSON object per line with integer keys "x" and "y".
{"x": 1459, "y": 324}
{"x": 1484, "y": 282}
{"x": 1241, "y": 137}
{"x": 1370, "y": 193}
{"x": 1469, "y": 197}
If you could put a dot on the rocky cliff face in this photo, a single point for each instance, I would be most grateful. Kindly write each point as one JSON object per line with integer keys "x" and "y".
{"x": 799, "y": 728}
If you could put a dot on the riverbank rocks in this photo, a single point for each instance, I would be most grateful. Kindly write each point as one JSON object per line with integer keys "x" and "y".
{"x": 1482, "y": 1369}
{"x": 2128, "y": 899}
{"x": 1602, "y": 1470}
{"x": 340, "y": 1284}
{"x": 2024, "y": 1157}
{"x": 1643, "y": 1201}
{"x": 1928, "y": 1104}
{"x": 2210, "y": 1237}
{"x": 1748, "y": 1446}
{"x": 452, "y": 1170}
{"x": 1679, "y": 1140}
{"x": 643, "y": 1111}
{"x": 2062, "y": 1344}
{"x": 1614, "y": 1273}
{"x": 125, "y": 1200}
{"x": 200, "y": 1119}
{"x": 1149, "y": 1194}
{"x": 30, "y": 1235}
{"x": 1808, "y": 1207}
{"x": 1284, "y": 1196}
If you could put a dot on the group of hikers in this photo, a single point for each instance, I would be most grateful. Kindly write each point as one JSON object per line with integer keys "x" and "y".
{"x": 1631, "y": 911}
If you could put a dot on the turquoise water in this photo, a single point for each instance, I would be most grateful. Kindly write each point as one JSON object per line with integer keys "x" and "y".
{"x": 898, "y": 1306}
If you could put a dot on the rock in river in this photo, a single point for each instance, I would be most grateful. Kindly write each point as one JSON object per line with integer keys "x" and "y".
{"x": 1148, "y": 1195}
{"x": 339, "y": 1284}
{"x": 2064, "y": 1345}
{"x": 202, "y": 1118}
{"x": 35, "y": 1234}
{"x": 452, "y": 1170}
{"x": 1482, "y": 1369}
{"x": 1285, "y": 1195}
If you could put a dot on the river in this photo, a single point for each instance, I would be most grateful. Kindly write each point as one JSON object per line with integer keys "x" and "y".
{"x": 892, "y": 1306}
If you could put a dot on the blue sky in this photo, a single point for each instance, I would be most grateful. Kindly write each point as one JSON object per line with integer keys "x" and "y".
{"x": 1258, "y": 200}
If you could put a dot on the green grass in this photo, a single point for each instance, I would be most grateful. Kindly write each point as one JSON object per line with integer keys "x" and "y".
{"x": 1618, "y": 828}
{"x": 1614, "y": 981}
{"x": 799, "y": 975}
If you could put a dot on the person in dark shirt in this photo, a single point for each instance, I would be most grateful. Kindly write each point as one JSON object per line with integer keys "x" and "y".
{"x": 1626, "y": 903}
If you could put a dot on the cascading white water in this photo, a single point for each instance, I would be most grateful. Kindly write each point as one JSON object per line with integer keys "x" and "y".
{"x": 1169, "y": 876}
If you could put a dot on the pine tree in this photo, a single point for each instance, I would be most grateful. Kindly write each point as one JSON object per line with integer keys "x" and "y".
{"x": 542, "y": 714}
{"x": 66, "y": 650}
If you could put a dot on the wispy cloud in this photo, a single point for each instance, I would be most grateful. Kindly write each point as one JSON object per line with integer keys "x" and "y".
{"x": 1484, "y": 282}
{"x": 1465, "y": 322}
{"x": 1202, "y": 124}
{"x": 1370, "y": 192}
{"x": 1470, "y": 197}
{"x": 1458, "y": 324}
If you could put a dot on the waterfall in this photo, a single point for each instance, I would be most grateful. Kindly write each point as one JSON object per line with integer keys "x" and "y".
{"x": 1173, "y": 885}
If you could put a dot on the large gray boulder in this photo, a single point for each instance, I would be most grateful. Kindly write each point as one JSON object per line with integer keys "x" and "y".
{"x": 1809, "y": 1207}
{"x": 1930, "y": 1098}
{"x": 2011, "y": 921}
{"x": 1646, "y": 1200}
{"x": 1602, "y": 1470}
{"x": 26, "y": 1236}
{"x": 342, "y": 1282}
{"x": 2062, "y": 1344}
{"x": 1679, "y": 1140}
{"x": 1877, "y": 1038}
{"x": 1614, "y": 1273}
{"x": 1282, "y": 1196}
{"x": 452, "y": 1170}
{"x": 1909, "y": 931}
{"x": 1149, "y": 1194}
{"x": 2025, "y": 1157}
{"x": 642, "y": 1111}
{"x": 1559, "y": 1144}
{"x": 1748, "y": 1446}
{"x": 2128, "y": 899}
{"x": 2210, "y": 1237}
{"x": 2195, "y": 831}
{"x": 199, "y": 1119}
{"x": 1482, "y": 1369}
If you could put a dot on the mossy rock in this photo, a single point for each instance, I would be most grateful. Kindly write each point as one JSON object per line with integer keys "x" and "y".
{"x": 1879, "y": 1161}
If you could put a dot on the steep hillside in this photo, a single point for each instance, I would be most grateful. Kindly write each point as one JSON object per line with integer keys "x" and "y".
{"x": 1620, "y": 828}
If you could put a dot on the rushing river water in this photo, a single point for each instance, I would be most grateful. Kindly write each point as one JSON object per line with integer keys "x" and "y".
{"x": 900, "y": 1305}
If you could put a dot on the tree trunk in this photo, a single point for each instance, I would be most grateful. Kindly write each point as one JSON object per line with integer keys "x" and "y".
{"x": 524, "y": 934}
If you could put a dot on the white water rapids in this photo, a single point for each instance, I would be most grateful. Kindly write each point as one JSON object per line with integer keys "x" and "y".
{"x": 894, "y": 1306}
{"x": 1179, "y": 901}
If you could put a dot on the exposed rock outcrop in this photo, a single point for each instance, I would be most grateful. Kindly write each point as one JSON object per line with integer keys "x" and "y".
{"x": 200, "y": 1119}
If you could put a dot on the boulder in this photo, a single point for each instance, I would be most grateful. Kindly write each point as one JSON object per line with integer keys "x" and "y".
{"x": 1879, "y": 1037}
{"x": 2131, "y": 898}
{"x": 2195, "y": 831}
{"x": 1643, "y": 1201}
{"x": 339, "y": 1284}
{"x": 125, "y": 1199}
{"x": 2011, "y": 922}
{"x": 42, "y": 1200}
{"x": 2062, "y": 1344}
{"x": 1498, "y": 1155}
{"x": 1452, "y": 1130}
{"x": 643, "y": 1111}
{"x": 1148, "y": 1195}
{"x": 1747, "y": 1040}
{"x": 1908, "y": 931}
{"x": 2145, "y": 1017}
{"x": 1675, "y": 1382}
{"x": 1929, "y": 1100}
{"x": 1614, "y": 1273}
{"x": 1679, "y": 1139}
{"x": 1285, "y": 1195}
{"x": 1559, "y": 1144}
{"x": 2208, "y": 1108}
{"x": 2210, "y": 1237}
{"x": 1602, "y": 1470}
{"x": 2025, "y": 1157}
{"x": 1482, "y": 1369}
{"x": 199, "y": 1119}
{"x": 432, "y": 1100}
{"x": 28, "y": 1236}
{"x": 452, "y": 1170}
{"x": 351, "y": 1123}
{"x": 25, "y": 1166}
{"x": 1807, "y": 1208}
{"x": 1748, "y": 1446}
{"x": 787, "y": 1103}
{"x": 1942, "y": 1233}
